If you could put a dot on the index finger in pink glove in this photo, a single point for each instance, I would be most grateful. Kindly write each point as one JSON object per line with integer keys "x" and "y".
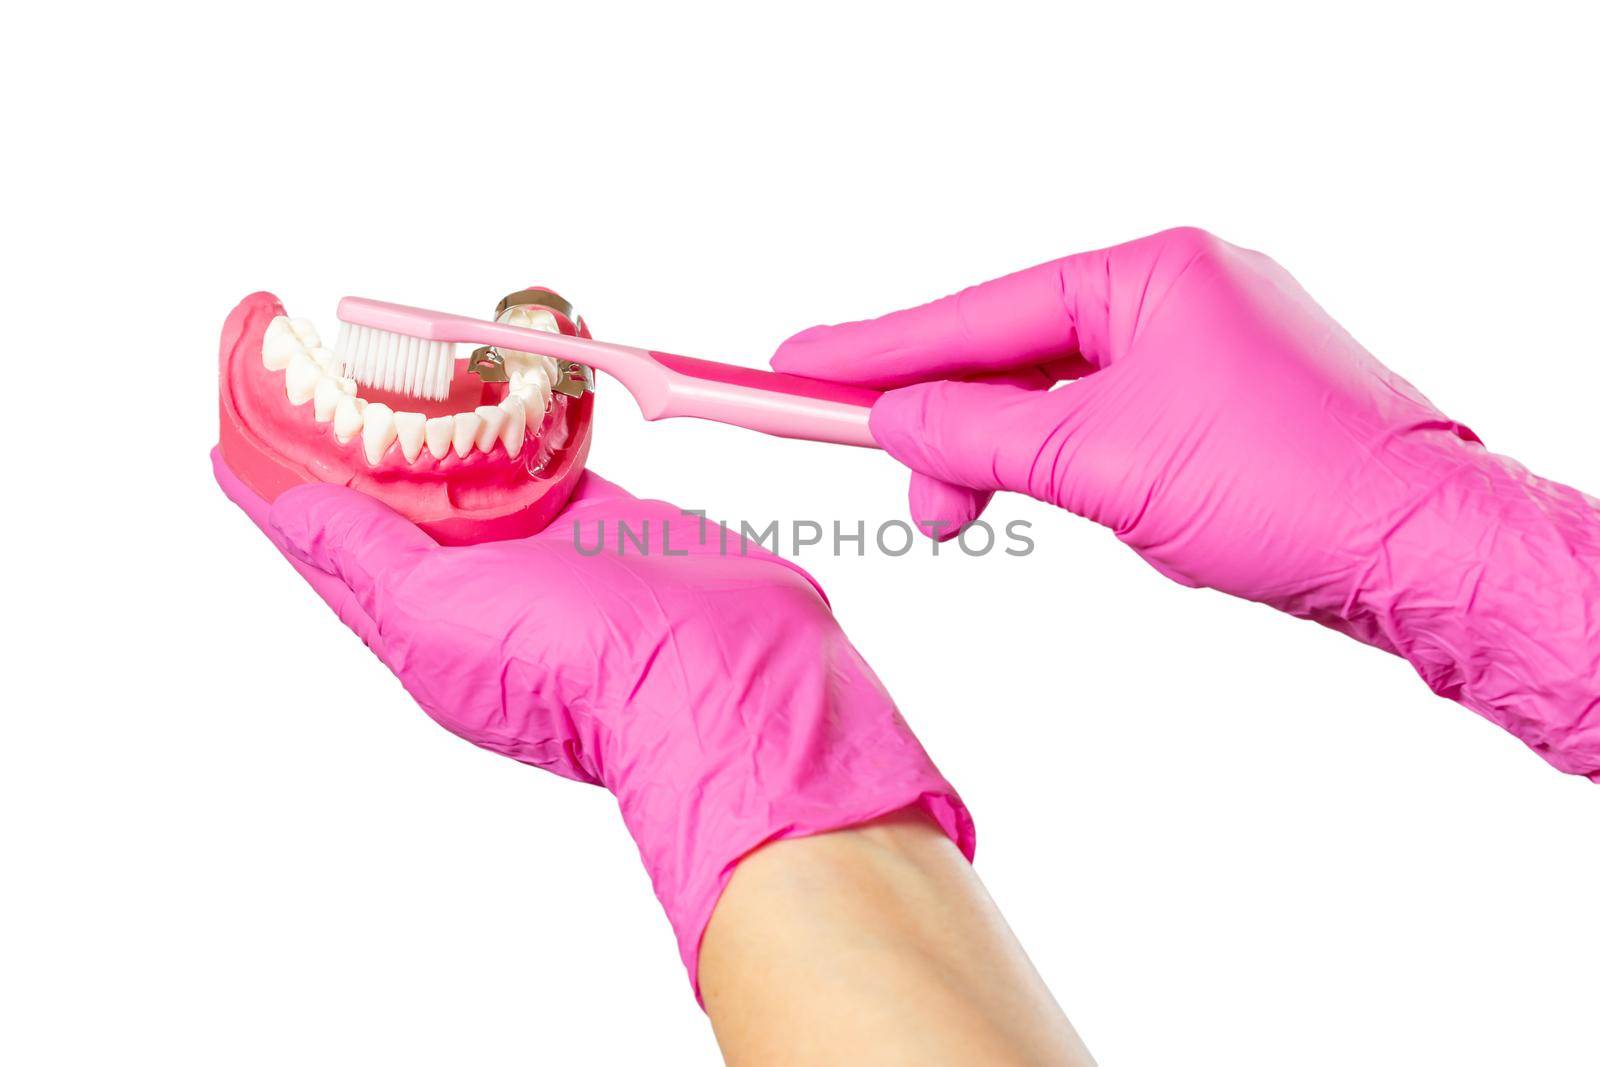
{"x": 1021, "y": 329}
{"x": 1027, "y": 319}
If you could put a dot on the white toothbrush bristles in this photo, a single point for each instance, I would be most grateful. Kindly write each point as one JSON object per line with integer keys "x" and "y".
{"x": 395, "y": 361}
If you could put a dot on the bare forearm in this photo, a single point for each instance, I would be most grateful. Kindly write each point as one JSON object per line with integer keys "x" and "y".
{"x": 873, "y": 946}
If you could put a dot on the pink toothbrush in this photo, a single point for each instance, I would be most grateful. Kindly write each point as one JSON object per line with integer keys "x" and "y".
{"x": 412, "y": 350}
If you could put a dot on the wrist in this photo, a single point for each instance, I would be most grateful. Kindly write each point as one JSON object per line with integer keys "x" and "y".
{"x": 797, "y": 756}
{"x": 1488, "y": 582}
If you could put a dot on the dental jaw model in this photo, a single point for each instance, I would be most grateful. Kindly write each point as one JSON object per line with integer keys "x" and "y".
{"x": 492, "y": 455}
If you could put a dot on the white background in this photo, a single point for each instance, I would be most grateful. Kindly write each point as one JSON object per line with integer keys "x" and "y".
{"x": 1224, "y": 836}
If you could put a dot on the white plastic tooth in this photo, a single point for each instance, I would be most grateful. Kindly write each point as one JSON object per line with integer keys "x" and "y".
{"x": 408, "y": 427}
{"x": 516, "y": 427}
{"x": 531, "y": 317}
{"x": 301, "y": 377}
{"x": 279, "y": 344}
{"x": 326, "y": 399}
{"x": 377, "y": 431}
{"x": 466, "y": 433}
{"x": 439, "y": 433}
{"x": 348, "y": 417}
{"x": 531, "y": 381}
{"x": 541, "y": 381}
{"x": 324, "y": 358}
{"x": 493, "y": 419}
{"x": 307, "y": 332}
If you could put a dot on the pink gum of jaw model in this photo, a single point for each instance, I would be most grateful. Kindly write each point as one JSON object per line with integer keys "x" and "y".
{"x": 272, "y": 445}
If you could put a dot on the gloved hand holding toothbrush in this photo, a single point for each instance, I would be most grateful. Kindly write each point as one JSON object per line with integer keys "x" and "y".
{"x": 1231, "y": 433}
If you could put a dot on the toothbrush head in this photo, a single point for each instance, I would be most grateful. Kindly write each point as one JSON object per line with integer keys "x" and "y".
{"x": 395, "y": 361}
{"x": 412, "y": 351}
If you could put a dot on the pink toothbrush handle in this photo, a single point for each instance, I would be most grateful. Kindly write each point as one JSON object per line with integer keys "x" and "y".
{"x": 665, "y": 386}
{"x": 784, "y": 405}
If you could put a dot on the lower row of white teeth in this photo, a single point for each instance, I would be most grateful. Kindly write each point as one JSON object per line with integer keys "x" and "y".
{"x": 310, "y": 376}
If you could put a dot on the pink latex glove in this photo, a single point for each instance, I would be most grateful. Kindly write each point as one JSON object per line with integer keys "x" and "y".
{"x": 1237, "y": 438}
{"x": 711, "y": 691}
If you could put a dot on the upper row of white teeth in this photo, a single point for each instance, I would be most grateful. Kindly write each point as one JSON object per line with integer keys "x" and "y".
{"x": 311, "y": 375}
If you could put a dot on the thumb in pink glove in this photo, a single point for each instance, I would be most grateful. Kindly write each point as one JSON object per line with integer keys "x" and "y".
{"x": 707, "y": 686}
{"x": 1231, "y": 433}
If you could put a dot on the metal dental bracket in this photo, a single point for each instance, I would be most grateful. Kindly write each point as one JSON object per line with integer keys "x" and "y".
{"x": 488, "y": 364}
{"x": 576, "y": 379}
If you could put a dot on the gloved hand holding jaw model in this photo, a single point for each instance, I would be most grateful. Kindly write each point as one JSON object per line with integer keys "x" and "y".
{"x": 1231, "y": 433}
{"x": 785, "y": 813}
{"x": 712, "y": 692}
{"x": 744, "y": 738}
